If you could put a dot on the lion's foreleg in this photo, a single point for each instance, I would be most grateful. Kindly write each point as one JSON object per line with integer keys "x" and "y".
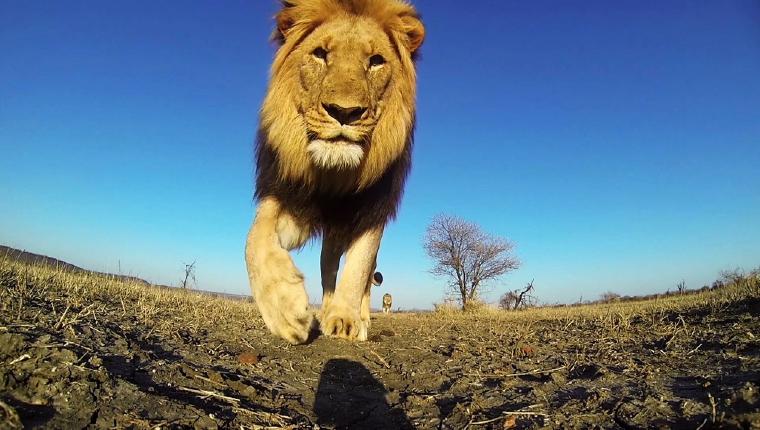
{"x": 365, "y": 306}
{"x": 344, "y": 316}
{"x": 276, "y": 283}
{"x": 329, "y": 264}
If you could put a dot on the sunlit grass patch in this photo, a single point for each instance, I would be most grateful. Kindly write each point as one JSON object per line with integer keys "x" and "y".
{"x": 75, "y": 295}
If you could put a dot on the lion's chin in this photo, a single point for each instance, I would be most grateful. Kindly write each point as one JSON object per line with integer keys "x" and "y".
{"x": 335, "y": 154}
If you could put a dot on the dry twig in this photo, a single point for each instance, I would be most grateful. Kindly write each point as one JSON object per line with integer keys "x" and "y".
{"x": 507, "y": 375}
{"x": 507, "y": 414}
{"x": 22, "y": 358}
{"x": 60, "y": 321}
{"x": 206, "y": 394}
{"x": 382, "y": 361}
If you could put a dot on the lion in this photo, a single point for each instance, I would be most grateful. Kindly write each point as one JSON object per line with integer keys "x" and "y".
{"x": 387, "y": 303}
{"x": 333, "y": 153}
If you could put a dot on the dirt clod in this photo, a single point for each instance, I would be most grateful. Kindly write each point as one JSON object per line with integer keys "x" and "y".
{"x": 526, "y": 351}
{"x": 248, "y": 358}
{"x": 510, "y": 422}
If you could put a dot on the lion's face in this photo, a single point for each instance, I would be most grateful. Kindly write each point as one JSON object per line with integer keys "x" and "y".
{"x": 341, "y": 97}
{"x": 387, "y": 299}
{"x": 345, "y": 69}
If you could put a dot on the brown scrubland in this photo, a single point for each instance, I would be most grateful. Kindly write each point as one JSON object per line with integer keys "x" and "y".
{"x": 81, "y": 349}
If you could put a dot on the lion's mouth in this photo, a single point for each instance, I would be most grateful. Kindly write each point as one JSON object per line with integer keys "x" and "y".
{"x": 343, "y": 140}
{"x": 342, "y": 136}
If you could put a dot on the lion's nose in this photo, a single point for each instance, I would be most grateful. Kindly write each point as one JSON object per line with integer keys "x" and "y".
{"x": 344, "y": 115}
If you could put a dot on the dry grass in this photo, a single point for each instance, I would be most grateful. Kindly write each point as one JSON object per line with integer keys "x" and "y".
{"x": 615, "y": 323}
{"x": 79, "y": 295}
{"x": 73, "y": 296}
{"x": 191, "y": 343}
{"x": 714, "y": 300}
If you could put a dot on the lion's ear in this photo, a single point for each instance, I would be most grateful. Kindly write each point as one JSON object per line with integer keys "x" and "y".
{"x": 414, "y": 30}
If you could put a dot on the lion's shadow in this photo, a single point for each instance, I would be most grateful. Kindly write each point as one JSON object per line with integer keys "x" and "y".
{"x": 348, "y": 396}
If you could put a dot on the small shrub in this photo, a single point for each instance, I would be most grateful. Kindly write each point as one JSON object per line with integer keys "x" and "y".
{"x": 447, "y": 307}
{"x": 507, "y": 300}
{"x": 609, "y": 297}
{"x": 474, "y": 306}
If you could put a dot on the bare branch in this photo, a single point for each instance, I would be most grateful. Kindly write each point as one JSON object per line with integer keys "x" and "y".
{"x": 516, "y": 299}
{"x": 189, "y": 275}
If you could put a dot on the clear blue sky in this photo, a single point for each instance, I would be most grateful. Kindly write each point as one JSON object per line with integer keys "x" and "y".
{"x": 616, "y": 143}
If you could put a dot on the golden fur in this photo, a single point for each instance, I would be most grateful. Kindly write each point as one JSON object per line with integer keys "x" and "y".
{"x": 333, "y": 153}
{"x": 286, "y": 99}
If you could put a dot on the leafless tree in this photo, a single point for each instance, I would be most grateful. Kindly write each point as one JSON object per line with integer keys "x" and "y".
{"x": 518, "y": 298}
{"x": 466, "y": 257}
{"x": 525, "y": 299}
{"x": 734, "y": 276}
{"x": 681, "y": 287}
{"x": 507, "y": 300}
{"x": 189, "y": 276}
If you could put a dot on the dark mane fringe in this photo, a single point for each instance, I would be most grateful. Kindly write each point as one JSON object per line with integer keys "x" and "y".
{"x": 346, "y": 215}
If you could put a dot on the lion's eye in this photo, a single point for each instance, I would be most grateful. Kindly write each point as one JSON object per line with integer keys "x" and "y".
{"x": 376, "y": 60}
{"x": 320, "y": 53}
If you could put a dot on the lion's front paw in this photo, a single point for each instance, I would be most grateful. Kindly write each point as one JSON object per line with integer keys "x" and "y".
{"x": 285, "y": 309}
{"x": 282, "y": 301}
{"x": 344, "y": 322}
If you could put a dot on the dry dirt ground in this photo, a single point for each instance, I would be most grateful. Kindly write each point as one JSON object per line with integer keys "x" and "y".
{"x": 85, "y": 351}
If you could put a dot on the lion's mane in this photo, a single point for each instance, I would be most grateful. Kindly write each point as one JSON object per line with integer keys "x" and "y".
{"x": 369, "y": 195}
